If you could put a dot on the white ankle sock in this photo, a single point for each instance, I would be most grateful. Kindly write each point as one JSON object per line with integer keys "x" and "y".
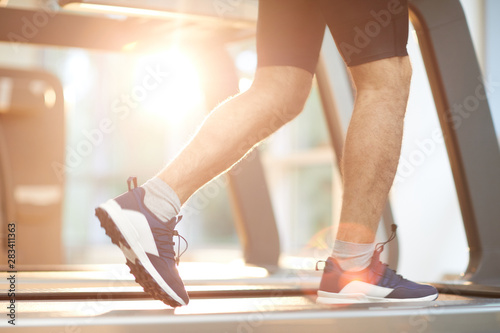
{"x": 353, "y": 257}
{"x": 160, "y": 199}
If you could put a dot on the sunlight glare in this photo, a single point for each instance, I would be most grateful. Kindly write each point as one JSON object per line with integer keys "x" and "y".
{"x": 244, "y": 84}
{"x": 180, "y": 95}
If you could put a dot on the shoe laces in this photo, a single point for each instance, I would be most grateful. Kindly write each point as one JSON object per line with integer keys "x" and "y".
{"x": 165, "y": 240}
{"x": 166, "y": 232}
{"x": 379, "y": 247}
{"x": 389, "y": 277}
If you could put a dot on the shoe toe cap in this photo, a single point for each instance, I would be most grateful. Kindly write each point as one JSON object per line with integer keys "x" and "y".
{"x": 413, "y": 291}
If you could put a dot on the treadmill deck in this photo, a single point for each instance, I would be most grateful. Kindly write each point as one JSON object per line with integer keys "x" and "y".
{"x": 91, "y": 301}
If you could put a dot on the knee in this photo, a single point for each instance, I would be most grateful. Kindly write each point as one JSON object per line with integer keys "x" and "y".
{"x": 401, "y": 81}
{"x": 283, "y": 89}
{"x": 389, "y": 77}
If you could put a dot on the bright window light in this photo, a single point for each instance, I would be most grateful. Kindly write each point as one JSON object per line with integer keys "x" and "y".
{"x": 244, "y": 84}
{"x": 179, "y": 94}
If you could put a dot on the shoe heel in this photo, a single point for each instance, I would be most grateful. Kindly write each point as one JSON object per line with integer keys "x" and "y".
{"x": 110, "y": 228}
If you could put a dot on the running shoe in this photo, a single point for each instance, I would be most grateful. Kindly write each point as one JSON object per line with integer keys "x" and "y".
{"x": 376, "y": 283}
{"x": 147, "y": 244}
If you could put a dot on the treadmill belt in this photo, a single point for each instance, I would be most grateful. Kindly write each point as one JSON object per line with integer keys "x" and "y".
{"x": 265, "y": 314}
{"x": 95, "y": 302}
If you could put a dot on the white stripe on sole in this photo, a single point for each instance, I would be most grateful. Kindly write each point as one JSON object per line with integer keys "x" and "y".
{"x": 338, "y": 298}
{"x": 364, "y": 288}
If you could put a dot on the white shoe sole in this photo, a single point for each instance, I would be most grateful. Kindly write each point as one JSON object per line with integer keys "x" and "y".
{"x": 336, "y": 298}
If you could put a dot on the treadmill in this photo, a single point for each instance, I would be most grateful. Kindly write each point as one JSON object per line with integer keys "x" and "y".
{"x": 101, "y": 299}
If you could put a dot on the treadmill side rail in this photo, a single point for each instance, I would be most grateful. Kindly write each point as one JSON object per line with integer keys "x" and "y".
{"x": 471, "y": 142}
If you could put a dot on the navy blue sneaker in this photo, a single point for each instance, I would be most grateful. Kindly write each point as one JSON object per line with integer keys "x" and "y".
{"x": 376, "y": 283}
{"x": 147, "y": 244}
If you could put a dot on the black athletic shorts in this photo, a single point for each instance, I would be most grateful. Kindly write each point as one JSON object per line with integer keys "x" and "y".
{"x": 290, "y": 32}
